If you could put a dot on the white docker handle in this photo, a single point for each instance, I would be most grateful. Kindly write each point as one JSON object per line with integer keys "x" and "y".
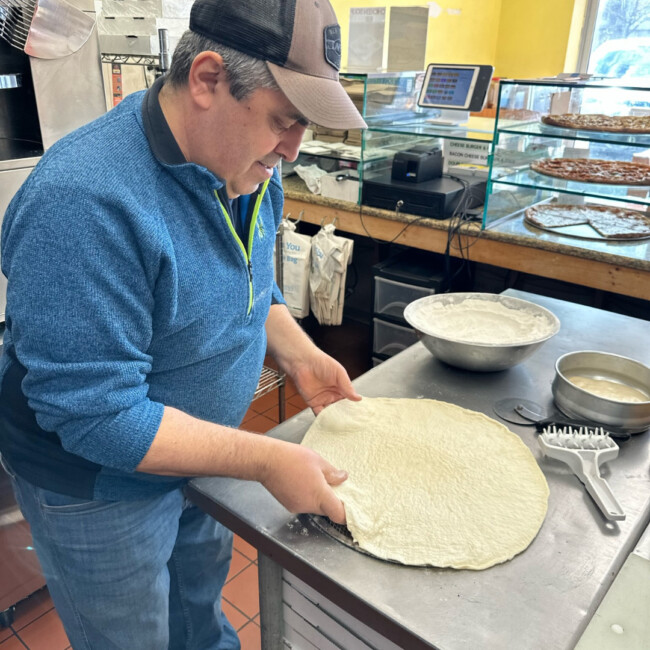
{"x": 599, "y": 489}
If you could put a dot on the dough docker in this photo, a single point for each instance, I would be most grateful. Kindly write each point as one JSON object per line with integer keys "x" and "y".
{"x": 583, "y": 450}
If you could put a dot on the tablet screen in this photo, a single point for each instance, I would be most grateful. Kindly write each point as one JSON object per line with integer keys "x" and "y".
{"x": 449, "y": 87}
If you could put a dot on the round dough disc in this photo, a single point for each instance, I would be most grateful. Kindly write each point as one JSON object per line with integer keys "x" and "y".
{"x": 431, "y": 483}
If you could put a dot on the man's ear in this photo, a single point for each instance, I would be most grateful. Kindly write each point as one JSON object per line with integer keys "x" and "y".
{"x": 207, "y": 77}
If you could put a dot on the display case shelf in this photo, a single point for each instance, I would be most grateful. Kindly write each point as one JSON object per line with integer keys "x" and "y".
{"x": 521, "y": 138}
{"x": 476, "y": 129}
{"x": 547, "y": 131}
{"x": 535, "y": 181}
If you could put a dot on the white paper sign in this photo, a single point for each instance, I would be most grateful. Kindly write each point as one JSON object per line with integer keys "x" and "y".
{"x": 473, "y": 153}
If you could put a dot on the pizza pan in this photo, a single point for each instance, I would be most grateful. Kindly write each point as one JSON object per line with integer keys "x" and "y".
{"x": 583, "y": 231}
{"x": 575, "y": 402}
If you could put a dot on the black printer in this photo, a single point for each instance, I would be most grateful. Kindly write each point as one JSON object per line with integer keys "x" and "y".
{"x": 415, "y": 184}
{"x": 417, "y": 164}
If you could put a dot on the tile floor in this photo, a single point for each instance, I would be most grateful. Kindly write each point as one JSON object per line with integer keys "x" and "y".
{"x": 36, "y": 625}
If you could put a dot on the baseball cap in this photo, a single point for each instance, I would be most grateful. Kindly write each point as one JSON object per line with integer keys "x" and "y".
{"x": 300, "y": 40}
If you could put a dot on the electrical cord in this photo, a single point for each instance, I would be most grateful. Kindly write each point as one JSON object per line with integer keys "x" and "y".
{"x": 398, "y": 235}
{"x": 457, "y": 220}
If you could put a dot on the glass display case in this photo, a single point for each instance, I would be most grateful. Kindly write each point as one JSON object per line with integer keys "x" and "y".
{"x": 400, "y": 142}
{"x": 565, "y": 173}
{"x": 388, "y": 103}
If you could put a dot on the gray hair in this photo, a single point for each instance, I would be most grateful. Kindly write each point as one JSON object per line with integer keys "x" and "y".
{"x": 245, "y": 73}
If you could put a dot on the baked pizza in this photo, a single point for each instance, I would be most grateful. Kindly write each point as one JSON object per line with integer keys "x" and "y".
{"x": 598, "y": 122}
{"x": 594, "y": 170}
{"x": 610, "y": 222}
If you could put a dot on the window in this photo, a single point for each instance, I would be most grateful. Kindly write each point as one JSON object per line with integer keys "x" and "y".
{"x": 616, "y": 40}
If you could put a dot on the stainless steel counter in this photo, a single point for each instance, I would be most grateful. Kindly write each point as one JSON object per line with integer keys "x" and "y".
{"x": 544, "y": 597}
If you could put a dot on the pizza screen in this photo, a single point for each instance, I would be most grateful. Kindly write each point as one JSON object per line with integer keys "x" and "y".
{"x": 594, "y": 170}
{"x": 610, "y": 222}
{"x": 598, "y": 122}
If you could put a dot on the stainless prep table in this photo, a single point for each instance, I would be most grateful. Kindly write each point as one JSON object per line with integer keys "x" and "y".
{"x": 544, "y": 597}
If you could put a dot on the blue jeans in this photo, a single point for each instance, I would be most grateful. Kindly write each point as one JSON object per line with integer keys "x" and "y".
{"x": 132, "y": 574}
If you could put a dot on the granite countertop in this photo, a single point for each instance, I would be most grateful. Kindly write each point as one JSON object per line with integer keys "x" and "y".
{"x": 629, "y": 254}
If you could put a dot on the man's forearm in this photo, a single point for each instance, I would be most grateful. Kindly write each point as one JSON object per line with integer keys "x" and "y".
{"x": 286, "y": 340}
{"x": 296, "y": 476}
{"x": 187, "y": 446}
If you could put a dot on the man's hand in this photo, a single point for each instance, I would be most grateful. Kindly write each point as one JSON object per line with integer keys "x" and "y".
{"x": 302, "y": 481}
{"x": 321, "y": 381}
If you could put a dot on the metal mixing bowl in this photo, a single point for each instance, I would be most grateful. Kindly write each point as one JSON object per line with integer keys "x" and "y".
{"x": 628, "y": 417}
{"x": 481, "y": 357}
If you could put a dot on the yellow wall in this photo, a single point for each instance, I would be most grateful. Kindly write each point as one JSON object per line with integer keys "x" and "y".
{"x": 468, "y": 37}
{"x": 521, "y": 38}
{"x": 533, "y": 37}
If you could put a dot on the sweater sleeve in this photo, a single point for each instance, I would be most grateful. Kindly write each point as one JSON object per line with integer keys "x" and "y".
{"x": 79, "y": 310}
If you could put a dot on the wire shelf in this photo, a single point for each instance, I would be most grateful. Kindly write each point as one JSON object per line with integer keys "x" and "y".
{"x": 132, "y": 59}
{"x": 270, "y": 380}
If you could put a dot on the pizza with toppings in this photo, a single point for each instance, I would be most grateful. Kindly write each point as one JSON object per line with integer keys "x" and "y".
{"x": 609, "y": 222}
{"x": 598, "y": 122}
{"x": 594, "y": 170}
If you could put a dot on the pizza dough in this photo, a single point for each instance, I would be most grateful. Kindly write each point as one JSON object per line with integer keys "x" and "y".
{"x": 599, "y": 122}
{"x": 609, "y": 389}
{"x": 594, "y": 170}
{"x": 608, "y": 221}
{"x": 431, "y": 483}
{"x": 486, "y": 322}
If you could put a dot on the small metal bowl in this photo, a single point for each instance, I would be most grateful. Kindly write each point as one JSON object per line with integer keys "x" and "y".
{"x": 482, "y": 357}
{"x": 578, "y": 403}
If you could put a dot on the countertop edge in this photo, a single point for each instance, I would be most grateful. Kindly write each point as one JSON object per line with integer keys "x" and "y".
{"x": 472, "y": 229}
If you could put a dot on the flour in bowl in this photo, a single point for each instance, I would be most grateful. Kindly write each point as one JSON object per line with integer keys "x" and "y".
{"x": 482, "y": 321}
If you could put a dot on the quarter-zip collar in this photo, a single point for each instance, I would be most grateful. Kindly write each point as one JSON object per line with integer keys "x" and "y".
{"x": 160, "y": 136}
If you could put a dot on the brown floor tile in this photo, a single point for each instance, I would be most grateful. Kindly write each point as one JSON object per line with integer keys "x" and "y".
{"x": 260, "y": 424}
{"x": 237, "y": 565}
{"x": 13, "y": 643}
{"x": 256, "y": 619}
{"x": 245, "y": 548}
{"x": 273, "y": 414}
{"x": 45, "y": 633}
{"x": 251, "y": 413}
{"x": 236, "y": 618}
{"x": 5, "y": 633}
{"x": 293, "y": 405}
{"x": 291, "y": 409}
{"x": 243, "y": 591}
{"x": 250, "y": 637}
{"x": 265, "y": 402}
{"x": 31, "y": 608}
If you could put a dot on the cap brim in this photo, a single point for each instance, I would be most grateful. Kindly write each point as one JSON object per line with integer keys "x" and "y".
{"x": 322, "y": 101}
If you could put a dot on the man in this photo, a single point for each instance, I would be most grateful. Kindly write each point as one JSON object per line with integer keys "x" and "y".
{"x": 140, "y": 306}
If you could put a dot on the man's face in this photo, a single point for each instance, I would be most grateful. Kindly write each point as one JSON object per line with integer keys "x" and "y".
{"x": 249, "y": 137}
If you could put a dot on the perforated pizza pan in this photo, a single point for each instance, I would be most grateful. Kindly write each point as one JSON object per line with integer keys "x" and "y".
{"x": 588, "y": 233}
{"x": 342, "y": 534}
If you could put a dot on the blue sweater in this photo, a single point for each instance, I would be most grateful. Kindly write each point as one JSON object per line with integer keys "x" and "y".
{"x": 128, "y": 289}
